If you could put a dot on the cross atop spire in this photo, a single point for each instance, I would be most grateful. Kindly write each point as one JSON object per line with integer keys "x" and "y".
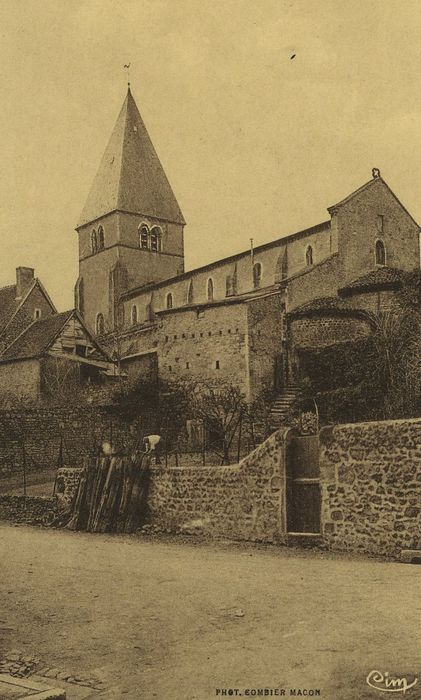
{"x": 127, "y": 67}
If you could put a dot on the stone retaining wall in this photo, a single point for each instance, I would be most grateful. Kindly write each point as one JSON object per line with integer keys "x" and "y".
{"x": 245, "y": 501}
{"x": 370, "y": 477}
{"x": 371, "y": 486}
{"x": 34, "y": 510}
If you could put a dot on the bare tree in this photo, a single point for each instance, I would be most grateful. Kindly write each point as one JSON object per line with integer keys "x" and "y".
{"x": 221, "y": 407}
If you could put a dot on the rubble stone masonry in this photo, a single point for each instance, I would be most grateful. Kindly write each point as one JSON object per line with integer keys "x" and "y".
{"x": 244, "y": 501}
{"x": 37, "y": 434}
{"x": 371, "y": 486}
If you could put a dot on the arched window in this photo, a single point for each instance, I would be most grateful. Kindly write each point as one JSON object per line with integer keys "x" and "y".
{"x": 209, "y": 289}
{"x": 100, "y": 324}
{"x": 94, "y": 243}
{"x": 79, "y": 295}
{"x": 169, "y": 301}
{"x": 144, "y": 237}
{"x": 100, "y": 238}
{"x": 190, "y": 293}
{"x": 309, "y": 256}
{"x": 380, "y": 253}
{"x": 156, "y": 238}
{"x": 37, "y": 314}
{"x": 257, "y": 275}
{"x": 134, "y": 315}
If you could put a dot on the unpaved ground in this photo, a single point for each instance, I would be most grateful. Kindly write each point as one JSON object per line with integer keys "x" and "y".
{"x": 176, "y": 621}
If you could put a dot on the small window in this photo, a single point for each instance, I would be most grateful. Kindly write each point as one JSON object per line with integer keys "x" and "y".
{"x": 144, "y": 237}
{"x": 228, "y": 286}
{"x": 100, "y": 238}
{"x": 169, "y": 301}
{"x": 187, "y": 365}
{"x": 380, "y": 253}
{"x": 190, "y": 293}
{"x": 37, "y": 314}
{"x": 169, "y": 368}
{"x": 156, "y": 239}
{"x": 380, "y": 222}
{"x": 217, "y": 366}
{"x": 257, "y": 275}
{"x": 209, "y": 289}
{"x": 100, "y": 324}
{"x": 134, "y": 315}
{"x": 94, "y": 242}
{"x": 309, "y": 256}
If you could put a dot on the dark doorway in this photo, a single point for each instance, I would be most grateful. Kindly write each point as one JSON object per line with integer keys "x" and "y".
{"x": 303, "y": 486}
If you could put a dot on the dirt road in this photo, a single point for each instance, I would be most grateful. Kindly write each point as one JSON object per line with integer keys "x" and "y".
{"x": 178, "y": 621}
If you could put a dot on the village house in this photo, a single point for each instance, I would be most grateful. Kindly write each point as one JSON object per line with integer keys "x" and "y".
{"x": 43, "y": 353}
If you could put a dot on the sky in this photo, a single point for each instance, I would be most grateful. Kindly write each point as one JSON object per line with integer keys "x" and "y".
{"x": 254, "y": 143}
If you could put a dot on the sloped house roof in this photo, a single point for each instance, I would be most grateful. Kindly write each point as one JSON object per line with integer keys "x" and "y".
{"x": 64, "y": 335}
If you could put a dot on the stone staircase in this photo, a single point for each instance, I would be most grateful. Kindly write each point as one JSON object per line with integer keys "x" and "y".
{"x": 282, "y": 406}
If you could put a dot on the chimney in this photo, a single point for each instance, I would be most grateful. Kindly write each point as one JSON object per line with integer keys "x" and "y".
{"x": 24, "y": 279}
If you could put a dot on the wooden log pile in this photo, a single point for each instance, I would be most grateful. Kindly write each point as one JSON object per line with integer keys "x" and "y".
{"x": 112, "y": 495}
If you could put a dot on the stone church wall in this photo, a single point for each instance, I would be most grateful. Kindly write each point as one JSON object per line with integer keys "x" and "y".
{"x": 321, "y": 280}
{"x": 265, "y": 328}
{"x": 208, "y": 344}
{"x": 322, "y": 331}
{"x": 372, "y": 214}
{"x": 239, "y": 265}
{"x": 371, "y": 486}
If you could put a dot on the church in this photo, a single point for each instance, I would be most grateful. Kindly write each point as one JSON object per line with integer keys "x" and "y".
{"x": 242, "y": 319}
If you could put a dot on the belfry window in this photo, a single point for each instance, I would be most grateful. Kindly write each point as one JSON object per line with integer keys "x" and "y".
{"x": 100, "y": 238}
{"x": 155, "y": 239}
{"x": 134, "y": 315}
{"x": 309, "y": 256}
{"x": 144, "y": 237}
{"x": 94, "y": 242}
{"x": 169, "y": 300}
{"x": 380, "y": 253}
{"x": 257, "y": 275}
{"x": 209, "y": 289}
{"x": 100, "y": 324}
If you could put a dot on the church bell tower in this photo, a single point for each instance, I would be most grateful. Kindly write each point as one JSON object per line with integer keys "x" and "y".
{"x": 131, "y": 228}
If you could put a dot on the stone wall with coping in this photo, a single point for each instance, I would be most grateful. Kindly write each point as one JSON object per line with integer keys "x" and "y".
{"x": 371, "y": 486}
{"x": 244, "y": 501}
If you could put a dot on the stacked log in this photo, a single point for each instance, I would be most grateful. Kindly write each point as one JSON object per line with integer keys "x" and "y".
{"x": 112, "y": 495}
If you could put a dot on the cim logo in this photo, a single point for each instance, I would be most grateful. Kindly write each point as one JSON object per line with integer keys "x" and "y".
{"x": 389, "y": 684}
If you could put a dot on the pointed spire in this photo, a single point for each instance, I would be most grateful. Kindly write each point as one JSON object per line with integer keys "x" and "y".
{"x": 130, "y": 177}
